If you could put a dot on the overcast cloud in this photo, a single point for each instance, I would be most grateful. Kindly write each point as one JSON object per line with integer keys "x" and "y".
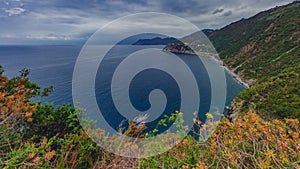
{"x": 73, "y": 21}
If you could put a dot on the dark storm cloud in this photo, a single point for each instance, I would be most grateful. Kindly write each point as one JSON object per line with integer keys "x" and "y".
{"x": 74, "y": 20}
{"x": 218, "y": 11}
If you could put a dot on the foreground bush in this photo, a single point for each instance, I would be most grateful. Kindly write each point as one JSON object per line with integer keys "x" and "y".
{"x": 35, "y": 135}
{"x": 250, "y": 142}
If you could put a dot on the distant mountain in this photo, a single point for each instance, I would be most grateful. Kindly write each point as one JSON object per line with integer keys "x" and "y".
{"x": 133, "y": 39}
{"x": 264, "y": 51}
{"x": 156, "y": 41}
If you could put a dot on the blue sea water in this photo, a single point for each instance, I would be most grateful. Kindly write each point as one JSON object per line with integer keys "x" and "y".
{"x": 54, "y": 65}
{"x": 49, "y": 65}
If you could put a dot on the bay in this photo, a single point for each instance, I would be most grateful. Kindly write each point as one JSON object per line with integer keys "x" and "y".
{"x": 54, "y": 65}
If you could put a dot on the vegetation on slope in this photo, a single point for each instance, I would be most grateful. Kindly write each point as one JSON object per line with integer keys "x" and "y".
{"x": 261, "y": 46}
{"x": 264, "y": 51}
{"x": 35, "y": 135}
{"x": 250, "y": 142}
{"x": 258, "y": 47}
{"x": 278, "y": 97}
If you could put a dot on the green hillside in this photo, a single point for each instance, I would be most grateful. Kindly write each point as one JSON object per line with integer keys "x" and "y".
{"x": 278, "y": 97}
{"x": 263, "y": 45}
{"x": 260, "y": 49}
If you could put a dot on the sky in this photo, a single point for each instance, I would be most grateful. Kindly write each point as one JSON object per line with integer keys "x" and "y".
{"x": 74, "y": 21}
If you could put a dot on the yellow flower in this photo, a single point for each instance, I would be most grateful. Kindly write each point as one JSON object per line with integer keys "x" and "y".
{"x": 209, "y": 116}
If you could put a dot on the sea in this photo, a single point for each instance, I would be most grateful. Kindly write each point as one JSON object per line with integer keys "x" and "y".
{"x": 54, "y": 65}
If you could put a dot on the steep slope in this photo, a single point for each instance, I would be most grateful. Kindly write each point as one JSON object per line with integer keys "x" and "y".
{"x": 260, "y": 49}
{"x": 278, "y": 97}
{"x": 265, "y": 50}
{"x": 263, "y": 45}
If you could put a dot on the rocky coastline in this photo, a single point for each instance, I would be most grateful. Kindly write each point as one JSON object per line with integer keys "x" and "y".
{"x": 205, "y": 54}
